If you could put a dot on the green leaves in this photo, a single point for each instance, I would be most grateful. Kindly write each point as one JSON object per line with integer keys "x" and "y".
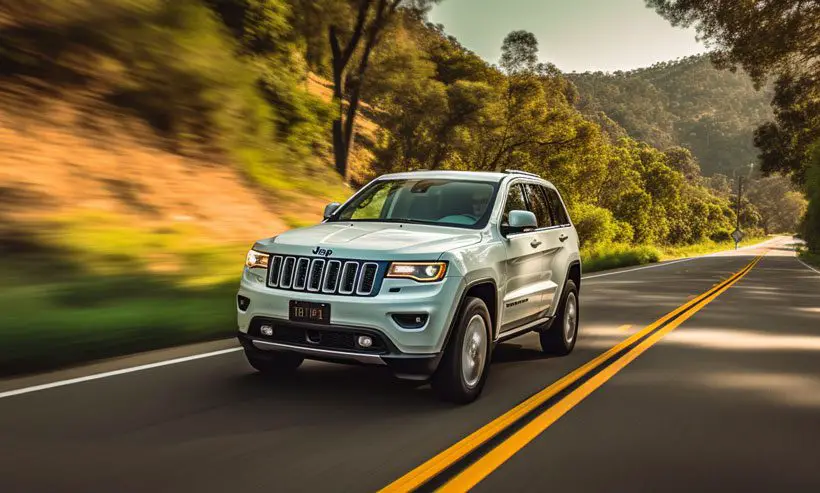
{"x": 519, "y": 53}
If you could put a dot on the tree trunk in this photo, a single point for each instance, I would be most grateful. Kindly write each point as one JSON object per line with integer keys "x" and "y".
{"x": 343, "y": 127}
{"x": 346, "y": 129}
{"x": 340, "y": 148}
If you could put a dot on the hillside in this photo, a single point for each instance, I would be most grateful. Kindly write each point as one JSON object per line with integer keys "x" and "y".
{"x": 686, "y": 102}
{"x": 146, "y": 144}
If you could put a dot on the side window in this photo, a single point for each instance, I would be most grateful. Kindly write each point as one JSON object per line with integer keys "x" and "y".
{"x": 557, "y": 208}
{"x": 538, "y": 205}
{"x": 515, "y": 202}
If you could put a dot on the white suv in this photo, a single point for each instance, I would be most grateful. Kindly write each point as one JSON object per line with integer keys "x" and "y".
{"x": 424, "y": 272}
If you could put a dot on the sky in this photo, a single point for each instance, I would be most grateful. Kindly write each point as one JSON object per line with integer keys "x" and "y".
{"x": 575, "y": 35}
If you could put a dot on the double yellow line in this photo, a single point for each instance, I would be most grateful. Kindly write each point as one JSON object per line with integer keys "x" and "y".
{"x": 466, "y": 463}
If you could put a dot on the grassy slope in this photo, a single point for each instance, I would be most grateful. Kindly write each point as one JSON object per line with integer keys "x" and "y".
{"x": 93, "y": 287}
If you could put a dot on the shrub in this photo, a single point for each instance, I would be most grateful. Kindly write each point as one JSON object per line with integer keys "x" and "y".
{"x": 721, "y": 236}
{"x": 614, "y": 255}
{"x": 595, "y": 224}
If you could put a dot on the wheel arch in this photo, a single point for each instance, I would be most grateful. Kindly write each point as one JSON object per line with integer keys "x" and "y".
{"x": 486, "y": 290}
{"x": 574, "y": 273}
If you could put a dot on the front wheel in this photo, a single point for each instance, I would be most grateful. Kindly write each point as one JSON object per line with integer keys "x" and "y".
{"x": 560, "y": 338}
{"x": 463, "y": 369}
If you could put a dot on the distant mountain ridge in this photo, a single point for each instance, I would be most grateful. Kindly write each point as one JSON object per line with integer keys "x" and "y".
{"x": 686, "y": 102}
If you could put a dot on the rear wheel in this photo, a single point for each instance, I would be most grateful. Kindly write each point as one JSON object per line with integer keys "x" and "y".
{"x": 273, "y": 362}
{"x": 560, "y": 338}
{"x": 463, "y": 368}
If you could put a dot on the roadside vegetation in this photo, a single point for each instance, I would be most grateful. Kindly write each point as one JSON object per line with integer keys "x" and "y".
{"x": 255, "y": 88}
{"x": 87, "y": 287}
{"x": 812, "y": 259}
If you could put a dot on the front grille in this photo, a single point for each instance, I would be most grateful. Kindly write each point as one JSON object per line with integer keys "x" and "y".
{"x": 343, "y": 277}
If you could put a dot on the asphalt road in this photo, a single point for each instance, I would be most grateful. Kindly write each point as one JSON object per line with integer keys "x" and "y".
{"x": 729, "y": 401}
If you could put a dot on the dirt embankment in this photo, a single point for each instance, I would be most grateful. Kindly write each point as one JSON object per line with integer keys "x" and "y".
{"x": 69, "y": 153}
{"x": 59, "y": 156}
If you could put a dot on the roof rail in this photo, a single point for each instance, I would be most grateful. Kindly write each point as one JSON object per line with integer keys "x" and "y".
{"x": 519, "y": 172}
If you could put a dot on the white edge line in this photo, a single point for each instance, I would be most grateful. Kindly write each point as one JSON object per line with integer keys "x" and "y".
{"x": 650, "y": 266}
{"x": 807, "y": 265}
{"x": 97, "y": 376}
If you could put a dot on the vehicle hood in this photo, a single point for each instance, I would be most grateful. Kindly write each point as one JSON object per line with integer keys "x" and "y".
{"x": 371, "y": 241}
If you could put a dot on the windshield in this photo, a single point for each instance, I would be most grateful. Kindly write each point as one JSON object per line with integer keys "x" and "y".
{"x": 441, "y": 202}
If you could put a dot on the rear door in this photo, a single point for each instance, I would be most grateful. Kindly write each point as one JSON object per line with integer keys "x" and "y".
{"x": 525, "y": 282}
{"x": 549, "y": 237}
{"x": 559, "y": 238}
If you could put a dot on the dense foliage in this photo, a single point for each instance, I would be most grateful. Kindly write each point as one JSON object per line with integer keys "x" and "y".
{"x": 811, "y": 224}
{"x": 687, "y": 102}
{"x": 442, "y": 107}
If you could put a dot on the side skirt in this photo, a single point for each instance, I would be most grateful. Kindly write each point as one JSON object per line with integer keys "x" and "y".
{"x": 523, "y": 329}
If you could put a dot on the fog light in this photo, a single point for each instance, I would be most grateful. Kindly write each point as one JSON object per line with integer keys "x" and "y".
{"x": 365, "y": 341}
{"x": 266, "y": 330}
{"x": 411, "y": 320}
{"x": 243, "y": 302}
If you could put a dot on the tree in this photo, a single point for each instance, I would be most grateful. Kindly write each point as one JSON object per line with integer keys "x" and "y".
{"x": 811, "y": 223}
{"x": 681, "y": 159}
{"x": 764, "y": 37}
{"x": 519, "y": 53}
{"x": 785, "y": 143}
{"x": 531, "y": 126}
{"x": 261, "y": 26}
{"x": 780, "y": 206}
{"x": 372, "y": 16}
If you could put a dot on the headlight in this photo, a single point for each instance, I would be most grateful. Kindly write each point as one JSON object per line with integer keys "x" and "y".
{"x": 418, "y": 271}
{"x": 257, "y": 259}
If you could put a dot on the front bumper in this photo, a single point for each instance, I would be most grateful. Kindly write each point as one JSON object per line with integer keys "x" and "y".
{"x": 438, "y": 301}
{"x": 404, "y": 366}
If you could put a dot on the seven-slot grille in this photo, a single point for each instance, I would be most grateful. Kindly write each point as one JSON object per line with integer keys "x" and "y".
{"x": 346, "y": 277}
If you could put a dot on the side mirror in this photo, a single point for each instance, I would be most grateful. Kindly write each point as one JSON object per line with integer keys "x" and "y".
{"x": 518, "y": 222}
{"x": 331, "y": 208}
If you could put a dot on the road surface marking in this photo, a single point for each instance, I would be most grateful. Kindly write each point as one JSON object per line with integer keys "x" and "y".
{"x": 651, "y": 266}
{"x": 808, "y": 266}
{"x": 488, "y": 463}
{"x": 624, "y": 328}
{"x": 427, "y": 471}
{"x": 97, "y": 376}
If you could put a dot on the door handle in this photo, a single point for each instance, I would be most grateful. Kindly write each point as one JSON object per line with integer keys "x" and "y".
{"x": 563, "y": 237}
{"x": 535, "y": 243}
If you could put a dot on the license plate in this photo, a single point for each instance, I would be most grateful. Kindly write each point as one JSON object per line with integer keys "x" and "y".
{"x": 305, "y": 311}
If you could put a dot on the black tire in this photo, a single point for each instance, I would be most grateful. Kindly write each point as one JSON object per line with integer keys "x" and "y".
{"x": 554, "y": 340}
{"x": 449, "y": 382}
{"x": 274, "y": 362}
